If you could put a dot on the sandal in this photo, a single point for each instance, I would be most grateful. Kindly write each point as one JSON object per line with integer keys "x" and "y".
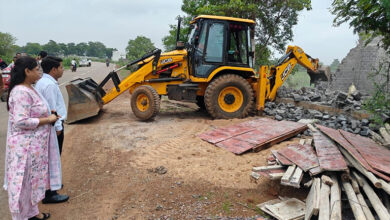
{"x": 45, "y": 216}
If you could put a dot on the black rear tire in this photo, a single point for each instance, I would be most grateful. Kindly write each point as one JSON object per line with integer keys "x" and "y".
{"x": 229, "y": 96}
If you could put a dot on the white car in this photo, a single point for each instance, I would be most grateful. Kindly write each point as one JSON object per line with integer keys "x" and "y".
{"x": 84, "y": 62}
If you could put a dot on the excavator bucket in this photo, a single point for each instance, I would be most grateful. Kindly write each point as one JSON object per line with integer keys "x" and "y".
{"x": 84, "y": 100}
{"x": 321, "y": 74}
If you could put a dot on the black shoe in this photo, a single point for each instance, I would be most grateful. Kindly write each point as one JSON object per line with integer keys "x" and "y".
{"x": 57, "y": 198}
{"x": 45, "y": 216}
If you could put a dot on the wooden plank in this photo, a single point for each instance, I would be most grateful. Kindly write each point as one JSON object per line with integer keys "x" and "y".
{"x": 366, "y": 209}
{"x": 303, "y": 156}
{"x": 313, "y": 199}
{"x": 335, "y": 199}
{"x": 353, "y": 201}
{"x": 327, "y": 180}
{"x": 376, "y": 203}
{"x": 385, "y": 135}
{"x": 264, "y": 168}
{"x": 324, "y": 202}
{"x": 263, "y": 207}
{"x": 361, "y": 169}
{"x": 387, "y": 126}
{"x": 272, "y": 174}
{"x": 276, "y": 176}
{"x": 287, "y": 175}
{"x": 385, "y": 186}
{"x": 377, "y": 137}
{"x": 328, "y": 154}
{"x": 288, "y": 209}
{"x": 296, "y": 178}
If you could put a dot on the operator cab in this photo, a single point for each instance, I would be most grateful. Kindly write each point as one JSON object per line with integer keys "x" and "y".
{"x": 219, "y": 41}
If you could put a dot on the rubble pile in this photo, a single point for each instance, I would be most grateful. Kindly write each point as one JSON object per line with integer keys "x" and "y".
{"x": 321, "y": 96}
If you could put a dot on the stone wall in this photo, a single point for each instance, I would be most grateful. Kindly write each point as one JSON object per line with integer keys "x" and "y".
{"x": 356, "y": 67}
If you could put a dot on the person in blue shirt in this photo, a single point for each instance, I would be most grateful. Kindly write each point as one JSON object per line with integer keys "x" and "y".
{"x": 48, "y": 86}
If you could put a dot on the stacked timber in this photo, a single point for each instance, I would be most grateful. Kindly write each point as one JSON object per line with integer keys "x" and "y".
{"x": 346, "y": 173}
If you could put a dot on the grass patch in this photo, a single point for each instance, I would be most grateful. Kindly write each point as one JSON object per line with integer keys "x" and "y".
{"x": 298, "y": 80}
{"x": 226, "y": 206}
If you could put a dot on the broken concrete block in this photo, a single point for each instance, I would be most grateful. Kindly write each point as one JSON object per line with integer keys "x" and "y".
{"x": 365, "y": 122}
{"x": 278, "y": 117}
{"x": 341, "y": 96}
{"x": 356, "y": 95}
{"x": 297, "y": 97}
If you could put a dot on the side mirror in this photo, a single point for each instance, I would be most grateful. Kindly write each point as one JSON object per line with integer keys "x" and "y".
{"x": 251, "y": 53}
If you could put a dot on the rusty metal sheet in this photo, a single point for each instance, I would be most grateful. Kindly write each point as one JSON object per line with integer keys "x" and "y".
{"x": 329, "y": 156}
{"x": 235, "y": 146}
{"x": 283, "y": 160}
{"x": 220, "y": 134}
{"x": 339, "y": 138}
{"x": 303, "y": 156}
{"x": 223, "y": 133}
{"x": 378, "y": 157}
{"x": 270, "y": 132}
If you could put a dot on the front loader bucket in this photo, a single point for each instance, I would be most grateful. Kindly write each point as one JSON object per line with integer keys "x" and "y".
{"x": 84, "y": 100}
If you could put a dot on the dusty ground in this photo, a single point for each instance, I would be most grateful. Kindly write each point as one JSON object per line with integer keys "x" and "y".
{"x": 107, "y": 162}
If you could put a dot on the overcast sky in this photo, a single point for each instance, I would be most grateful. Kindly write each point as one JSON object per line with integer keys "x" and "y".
{"x": 114, "y": 22}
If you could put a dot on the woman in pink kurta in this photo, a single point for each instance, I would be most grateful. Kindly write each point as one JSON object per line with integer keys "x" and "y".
{"x": 27, "y": 153}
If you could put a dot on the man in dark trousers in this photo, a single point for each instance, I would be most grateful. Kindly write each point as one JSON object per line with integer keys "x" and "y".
{"x": 48, "y": 86}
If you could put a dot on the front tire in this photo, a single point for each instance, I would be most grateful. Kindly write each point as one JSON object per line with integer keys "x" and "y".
{"x": 229, "y": 96}
{"x": 145, "y": 102}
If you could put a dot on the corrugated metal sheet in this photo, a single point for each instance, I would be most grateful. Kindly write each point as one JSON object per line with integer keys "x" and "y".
{"x": 378, "y": 157}
{"x": 329, "y": 156}
{"x": 255, "y": 134}
{"x": 339, "y": 138}
{"x": 303, "y": 156}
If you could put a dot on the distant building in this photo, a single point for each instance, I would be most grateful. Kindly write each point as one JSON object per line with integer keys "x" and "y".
{"x": 117, "y": 55}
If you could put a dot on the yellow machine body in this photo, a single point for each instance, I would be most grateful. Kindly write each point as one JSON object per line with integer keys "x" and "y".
{"x": 225, "y": 83}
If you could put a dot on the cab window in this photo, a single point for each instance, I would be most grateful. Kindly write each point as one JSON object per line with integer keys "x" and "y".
{"x": 238, "y": 44}
{"x": 214, "y": 50}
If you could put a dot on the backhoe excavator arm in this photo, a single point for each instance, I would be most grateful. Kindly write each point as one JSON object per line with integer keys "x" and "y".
{"x": 272, "y": 78}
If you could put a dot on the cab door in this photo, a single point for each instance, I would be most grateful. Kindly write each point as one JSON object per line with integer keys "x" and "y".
{"x": 209, "y": 51}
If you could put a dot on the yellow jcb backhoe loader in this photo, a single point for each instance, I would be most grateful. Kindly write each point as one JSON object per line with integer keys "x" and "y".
{"x": 213, "y": 69}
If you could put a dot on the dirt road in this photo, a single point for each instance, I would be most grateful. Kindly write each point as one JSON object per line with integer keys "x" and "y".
{"x": 109, "y": 168}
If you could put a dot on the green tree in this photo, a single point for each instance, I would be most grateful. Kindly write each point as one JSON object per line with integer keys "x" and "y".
{"x": 32, "y": 49}
{"x": 109, "y": 52}
{"x": 96, "y": 49}
{"x": 63, "y": 48}
{"x": 138, "y": 47}
{"x": 52, "y": 48}
{"x": 81, "y": 49}
{"x": 369, "y": 16}
{"x": 72, "y": 49}
{"x": 274, "y": 20}
{"x": 334, "y": 65}
{"x": 7, "y": 42}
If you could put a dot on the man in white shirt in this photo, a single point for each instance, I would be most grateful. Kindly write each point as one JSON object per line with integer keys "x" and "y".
{"x": 48, "y": 87}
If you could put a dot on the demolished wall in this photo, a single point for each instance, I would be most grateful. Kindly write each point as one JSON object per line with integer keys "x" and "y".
{"x": 357, "y": 65}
